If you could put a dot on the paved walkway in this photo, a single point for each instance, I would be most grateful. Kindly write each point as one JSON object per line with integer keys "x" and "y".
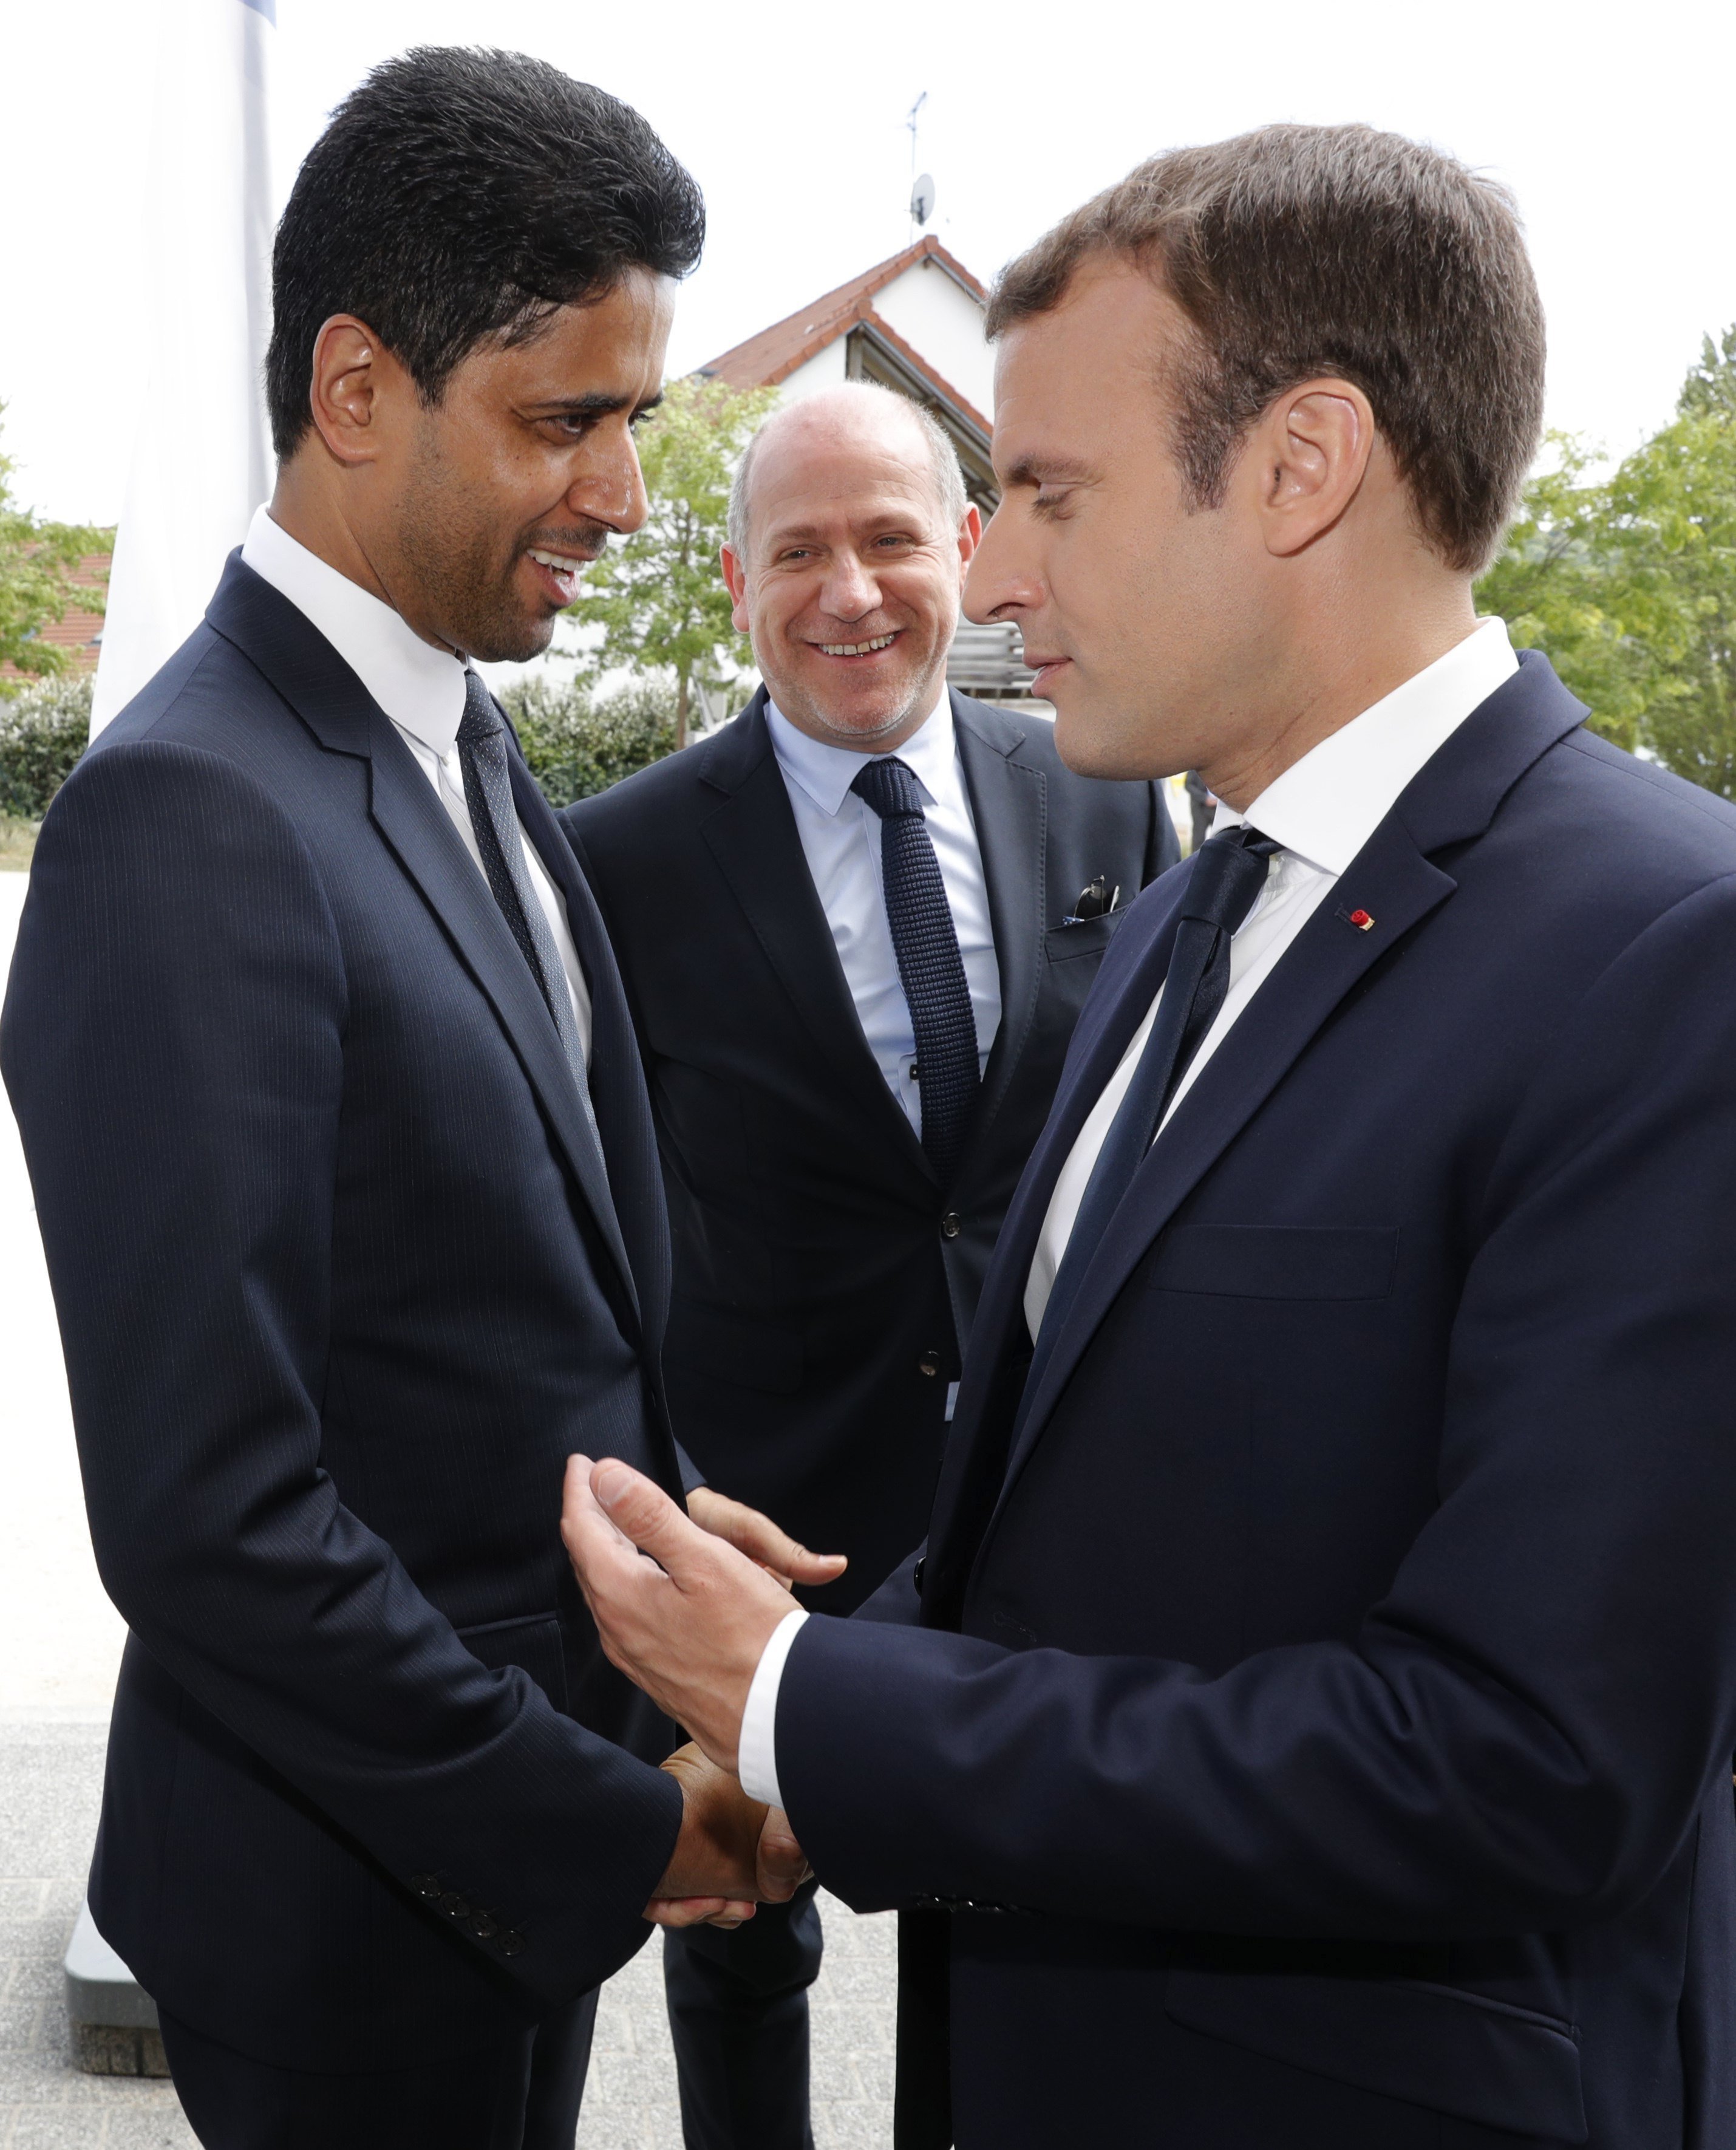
{"x": 50, "y": 1780}
{"x": 59, "y": 1646}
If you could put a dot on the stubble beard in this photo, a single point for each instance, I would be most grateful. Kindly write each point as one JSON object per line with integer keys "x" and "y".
{"x": 866, "y": 739}
{"x": 455, "y": 565}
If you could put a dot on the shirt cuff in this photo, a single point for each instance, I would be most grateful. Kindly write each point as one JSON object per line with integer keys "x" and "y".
{"x": 756, "y": 1755}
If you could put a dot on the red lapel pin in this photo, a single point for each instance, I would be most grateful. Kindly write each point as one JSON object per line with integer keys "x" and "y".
{"x": 1361, "y": 919}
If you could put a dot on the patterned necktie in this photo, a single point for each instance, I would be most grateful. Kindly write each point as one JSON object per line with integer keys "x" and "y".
{"x": 930, "y": 967}
{"x": 1226, "y": 876}
{"x": 488, "y": 793}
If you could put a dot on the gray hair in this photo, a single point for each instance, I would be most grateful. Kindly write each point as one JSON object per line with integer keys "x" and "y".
{"x": 949, "y": 482}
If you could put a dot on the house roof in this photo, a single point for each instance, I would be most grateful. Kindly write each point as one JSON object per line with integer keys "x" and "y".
{"x": 78, "y": 632}
{"x": 769, "y": 358}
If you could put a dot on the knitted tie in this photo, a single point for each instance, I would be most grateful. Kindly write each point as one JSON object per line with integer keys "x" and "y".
{"x": 488, "y": 793}
{"x": 1228, "y": 874}
{"x": 930, "y": 966}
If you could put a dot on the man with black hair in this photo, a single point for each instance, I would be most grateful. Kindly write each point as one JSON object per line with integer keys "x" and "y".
{"x": 348, "y": 1184}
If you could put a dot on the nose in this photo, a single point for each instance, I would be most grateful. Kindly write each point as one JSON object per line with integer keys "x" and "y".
{"x": 1000, "y": 582}
{"x": 611, "y": 489}
{"x": 849, "y": 590}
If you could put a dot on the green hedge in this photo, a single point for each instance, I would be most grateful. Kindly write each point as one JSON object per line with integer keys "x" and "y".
{"x": 44, "y": 730}
{"x": 577, "y": 746}
{"x": 574, "y": 744}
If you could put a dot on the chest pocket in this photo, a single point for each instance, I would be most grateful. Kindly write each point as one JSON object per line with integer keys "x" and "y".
{"x": 1062, "y": 944}
{"x": 1239, "y": 1261}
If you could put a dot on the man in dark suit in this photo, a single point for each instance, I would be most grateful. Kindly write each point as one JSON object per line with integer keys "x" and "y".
{"x": 1312, "y": 1710}
{"x": 832, "y": 1222}
{"x": 348, "y": 1183}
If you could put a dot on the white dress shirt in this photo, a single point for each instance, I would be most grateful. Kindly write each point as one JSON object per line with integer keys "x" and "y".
{"x": 840, "y": 837}
{"x": 422, "y": 690}
{"x": 1322, "y": 810}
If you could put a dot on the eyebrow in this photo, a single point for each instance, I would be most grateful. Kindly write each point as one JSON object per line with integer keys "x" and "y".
{"x": 1049, "y": 470}
{"x": 799, "y": 532}
{"x": 599, "y": 404}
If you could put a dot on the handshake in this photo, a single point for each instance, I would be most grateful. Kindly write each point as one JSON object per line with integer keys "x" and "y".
{"x": 684, "y": 1605}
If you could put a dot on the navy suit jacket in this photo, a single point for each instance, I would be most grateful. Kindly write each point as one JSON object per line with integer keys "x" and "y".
{"x": 1332, "y": 1663}
{"x": 341, "y": 1281}
{"x": 824, "y": 1279}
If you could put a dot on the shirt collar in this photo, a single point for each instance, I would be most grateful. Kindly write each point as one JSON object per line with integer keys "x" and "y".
{"x": 826, "y": 773}
{"x": 420, "y": 687}
{"x": 1326, "y": 806}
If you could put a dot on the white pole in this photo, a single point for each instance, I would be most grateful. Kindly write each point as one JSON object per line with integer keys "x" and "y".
{"x": 201, "y": 456}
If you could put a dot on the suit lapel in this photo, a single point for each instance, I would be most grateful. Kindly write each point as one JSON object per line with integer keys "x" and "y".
{"x": 753, "y": 837}
{"x": 1009, "y": 805}
{"x": 409, "y": 815}
{"x": 1399, "y": 888}
{"x": 1133, "y": 969}
{"x": 1451, "y": 802}
{"x": 617, "y": 1086}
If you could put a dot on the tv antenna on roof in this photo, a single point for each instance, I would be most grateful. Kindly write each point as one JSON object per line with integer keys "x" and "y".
{"x": 922, "y": 190}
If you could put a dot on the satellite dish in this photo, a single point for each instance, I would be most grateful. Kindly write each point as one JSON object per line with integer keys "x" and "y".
{"x": 922, "y": 199}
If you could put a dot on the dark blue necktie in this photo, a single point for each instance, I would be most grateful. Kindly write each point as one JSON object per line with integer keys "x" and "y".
{"x": 930, "y": 967}
{"x": 1226, "y": 876}
{"x": 488, "y": 793}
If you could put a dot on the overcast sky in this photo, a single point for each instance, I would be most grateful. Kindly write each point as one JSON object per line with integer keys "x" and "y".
{"x": 1612, "y": 124}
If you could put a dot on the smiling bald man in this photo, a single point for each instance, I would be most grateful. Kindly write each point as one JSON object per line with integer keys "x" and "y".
{"x": 852, "y": 933}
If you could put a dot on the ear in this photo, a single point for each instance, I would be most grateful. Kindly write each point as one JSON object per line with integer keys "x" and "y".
{"x": 351, "y": 371}
{"x": 970, "y": 534}
{"x": 735, "y": 579}
{"x": 1309, "y": 455}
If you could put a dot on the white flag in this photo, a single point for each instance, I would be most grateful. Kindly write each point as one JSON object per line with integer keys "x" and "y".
{"x": 201, "y": 457}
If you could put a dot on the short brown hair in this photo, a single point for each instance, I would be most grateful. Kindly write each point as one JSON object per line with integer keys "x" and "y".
{"x": 1296, "y": 251}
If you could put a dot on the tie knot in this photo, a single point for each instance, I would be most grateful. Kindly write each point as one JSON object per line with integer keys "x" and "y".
{"x": 481, "y": 720}
{"x": 889, "y": 786}
{"x": 1229, "y": 872}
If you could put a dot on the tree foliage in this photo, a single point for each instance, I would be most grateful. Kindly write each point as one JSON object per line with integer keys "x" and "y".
{"x": 1627, "y": 581}
{"x": 37, "y": 562}
{"x": 44, "y": 728}
{"x": 576, "y": 745}
{"x": 659, "y": 595}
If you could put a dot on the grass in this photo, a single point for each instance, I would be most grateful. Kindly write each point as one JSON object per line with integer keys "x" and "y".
{"x": 17, "y": 843}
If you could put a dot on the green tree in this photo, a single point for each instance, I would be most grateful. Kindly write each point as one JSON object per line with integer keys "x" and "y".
{"x": 576, "y": 745}
{"x": 44, "y": 730}
{"x": 1628, "y": 581}
{"x": 37, "y": 561}
{"x": 659, "y": 595}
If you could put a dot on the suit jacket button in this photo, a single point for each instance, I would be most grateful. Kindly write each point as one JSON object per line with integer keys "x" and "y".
{"x": 510, "y": 1943}
{"x": 454, "y": 1907}
{"x": 951, "y": 1224}
{"x": 483, "y": 1927}
{"x": 425, "y": 1885}
{"x": 929, "y": 1363}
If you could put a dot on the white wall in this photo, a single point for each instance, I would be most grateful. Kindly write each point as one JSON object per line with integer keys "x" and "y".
{"x": 824, "y": 371}
{"x": 936, "y": 317}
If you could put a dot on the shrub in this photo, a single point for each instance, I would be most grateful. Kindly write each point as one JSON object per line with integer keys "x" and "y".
{"x": 577, "y": 746}
{"x": 44, "y": 730}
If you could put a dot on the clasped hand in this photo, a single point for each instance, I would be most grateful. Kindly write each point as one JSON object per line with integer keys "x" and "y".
{"x": 688, "y": 1624}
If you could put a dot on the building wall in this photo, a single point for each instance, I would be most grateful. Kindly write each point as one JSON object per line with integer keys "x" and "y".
{"x": 944, "y": 323}
{"x": 826, "y": 371}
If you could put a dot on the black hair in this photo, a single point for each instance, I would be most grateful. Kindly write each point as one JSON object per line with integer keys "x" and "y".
{"x": 458, "y": 195}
